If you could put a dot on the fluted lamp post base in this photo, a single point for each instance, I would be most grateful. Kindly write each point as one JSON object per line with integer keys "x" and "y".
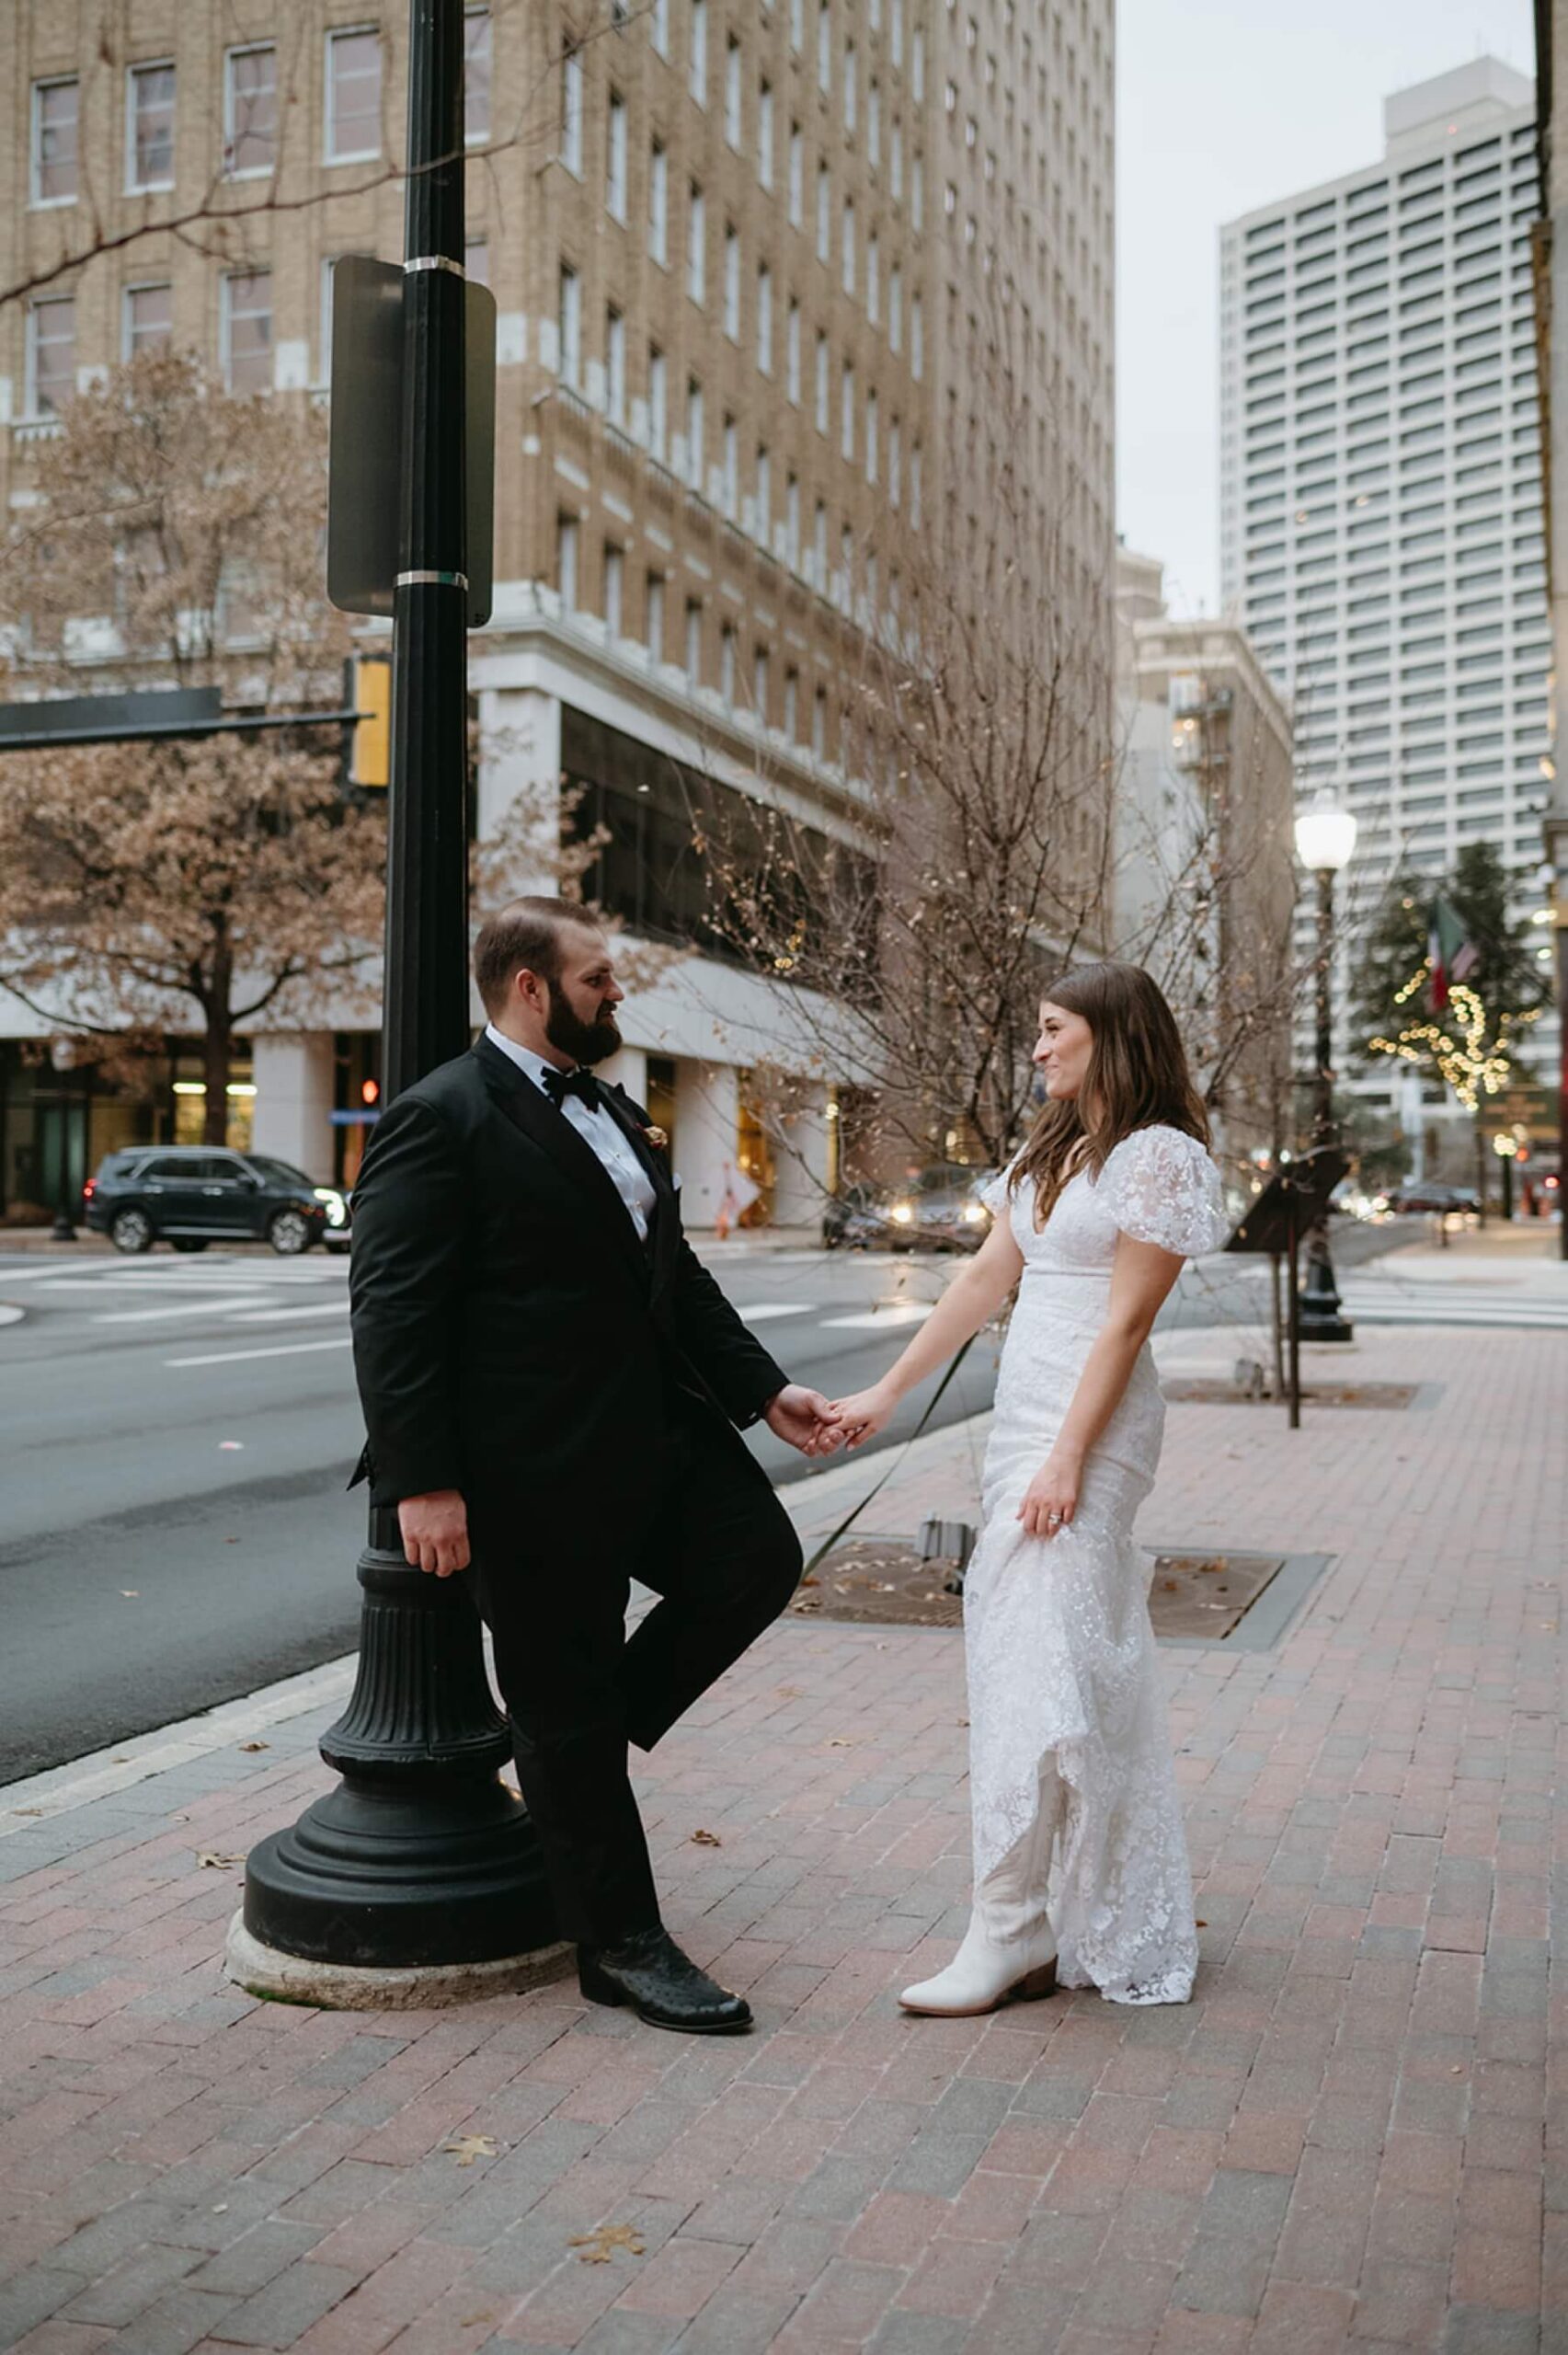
{"x": 420, "y": 1872}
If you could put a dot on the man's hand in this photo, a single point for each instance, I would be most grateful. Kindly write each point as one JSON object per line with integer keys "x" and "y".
{"x": 805, "y": 1419}
{"x": 435, "y": 1532}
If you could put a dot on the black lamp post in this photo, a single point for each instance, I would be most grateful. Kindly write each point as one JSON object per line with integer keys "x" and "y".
{"x": 420, "y": 1859}
{"x": 1325, "y": 837}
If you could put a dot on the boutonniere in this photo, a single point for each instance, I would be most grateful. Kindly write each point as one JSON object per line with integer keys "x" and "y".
{"x": 656, "y": 1136}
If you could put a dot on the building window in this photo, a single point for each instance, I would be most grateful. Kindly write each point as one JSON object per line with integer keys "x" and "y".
{"x": 250, "y": 111}
{"x": 873, "y": 278}
{"x": 726, "y": 663}
{"x": 917, "y": 338}
{"x": 917, "y": 63}
{"x": 248, "y": 331}
{"x": 871, "y": 416}
{"x": 797, "y": 176}
{"x": 731, "y": 487}
{"x": 693, "y": 433}
{"x": 658, "y": 401}
{"x": 896, "y": 307}
{"x": 653, "y": 615}
{"x": 732, "y": 92}
{"x": 764, "y": 318}
{"x": 694, "y": 646}
{"x": 792, "y": 520}
{"x": 917, "y": 194}
{"x": 764, "y": 494}
{"x": 848, "y": 255}
{"x": 615, "y": 159}
{"x": 476, "y": 53}
{"x": 149, "y": 130}
{"x": 819, "y": 543}
{"x": 846, "y": 388}
{"x": 55, "y": 111}
{"x": 328, "y": 272}
{"x": 476, "y": 259}
{"x": 697, "y": 56}
{"x": 824, "y": 46}
{"x": 849, "y": 95}
{"x": 792, "y": 351}
{"x": 824, "y": 213}
{"x": 571, "y": 112}
{"x": 614, "y": 366}
{"x": 732, "y": 281}
{"x": 51, "y": 354}
{"x": 614, "y": 588}
{"x": 353, "y": 96}
{"x": 569, "y": 325}
{"x": 658, "y": 31}
{"x": 820, "y": 724}
{"x": 895, "y": 463}
{"x": 896, "y": 162}
{"x": 696, "y": 244}
{"x": 792, "y": 703}
{"x": 147, "y": 319}
{"x": 759, "y": 697}
{"x": 658, "y": 203}
{"x": 895, "y": 32}
{"x": 821, "y": 382}
{"x": 765, "y": 135}
{"x": 797, "y": 24}
{"x": 915, "y": 486}
{"x": 874, "y": 126}
{"x": 567, "y": 562}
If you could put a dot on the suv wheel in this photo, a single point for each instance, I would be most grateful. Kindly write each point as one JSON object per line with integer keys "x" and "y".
{"x": 131, "y": 1230}
{"x": 288, "y": 1233}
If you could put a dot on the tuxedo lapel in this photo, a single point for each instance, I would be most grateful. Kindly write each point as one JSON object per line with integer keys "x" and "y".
{"x": 530, "y": 1109}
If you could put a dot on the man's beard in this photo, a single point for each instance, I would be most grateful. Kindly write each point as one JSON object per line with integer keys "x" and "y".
{"x": 589, "y": 1043}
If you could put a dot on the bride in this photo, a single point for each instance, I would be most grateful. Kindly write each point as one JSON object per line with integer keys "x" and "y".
{"x": 1080, "y": 1870}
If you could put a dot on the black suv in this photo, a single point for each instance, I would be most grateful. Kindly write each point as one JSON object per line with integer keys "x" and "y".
{"x": 191, "y": 1195}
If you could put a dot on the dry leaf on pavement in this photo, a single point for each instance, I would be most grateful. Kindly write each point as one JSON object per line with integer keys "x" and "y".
{"x": 212, "y": 1856}
{"x": 466, "y": 2148}
{"x": 599, "y": 2245}
{"x": 707, "y": 1840}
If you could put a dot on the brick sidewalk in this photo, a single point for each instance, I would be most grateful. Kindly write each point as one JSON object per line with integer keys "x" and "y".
{"x": 1339, "y": 2144}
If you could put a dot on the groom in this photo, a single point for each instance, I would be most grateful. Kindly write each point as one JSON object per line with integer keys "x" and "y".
{"x": 552, "y": 1385}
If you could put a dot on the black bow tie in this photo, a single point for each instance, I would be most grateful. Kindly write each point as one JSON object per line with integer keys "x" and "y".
{"x": 559, "y": 1085}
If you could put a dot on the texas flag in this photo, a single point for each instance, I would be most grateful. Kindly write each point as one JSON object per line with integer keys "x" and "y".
{"x": 1451, "y": 955}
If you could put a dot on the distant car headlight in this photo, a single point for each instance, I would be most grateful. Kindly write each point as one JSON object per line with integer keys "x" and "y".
{"x": 337, "y": 1208}
{"x": 974, "y": 1213}
{"x": 902, "y": 1213}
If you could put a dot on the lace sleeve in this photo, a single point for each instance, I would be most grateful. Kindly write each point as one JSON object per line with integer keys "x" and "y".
{"x": 994, "y": 1192}
{"x": 1161, "y": 1186}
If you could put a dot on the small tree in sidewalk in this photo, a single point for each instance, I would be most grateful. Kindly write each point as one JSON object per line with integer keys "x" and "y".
{"x": 200, "y": 884}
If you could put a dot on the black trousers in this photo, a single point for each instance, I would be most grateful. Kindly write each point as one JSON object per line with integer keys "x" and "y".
{"x": 721, "y": 1553}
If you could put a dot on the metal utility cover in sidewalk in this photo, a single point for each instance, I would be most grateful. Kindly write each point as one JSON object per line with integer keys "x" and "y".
{"x": 365, "y": 454}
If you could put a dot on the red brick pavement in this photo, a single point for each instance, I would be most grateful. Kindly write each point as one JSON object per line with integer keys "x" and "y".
{"x": 1352, "y": 2138}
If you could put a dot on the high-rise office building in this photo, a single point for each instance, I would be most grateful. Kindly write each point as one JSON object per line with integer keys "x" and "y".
{"x": 741, "y": 251}
{"x": 1381, "y": 529}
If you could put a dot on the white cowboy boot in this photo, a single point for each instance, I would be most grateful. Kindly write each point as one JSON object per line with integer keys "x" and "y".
{"x": 1009, "y": 1953}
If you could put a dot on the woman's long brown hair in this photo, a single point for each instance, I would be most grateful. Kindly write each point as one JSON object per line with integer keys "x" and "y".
{"x": 1137, "y": 1075}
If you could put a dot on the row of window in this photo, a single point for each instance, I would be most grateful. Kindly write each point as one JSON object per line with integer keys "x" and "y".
{"x": 697, "y": 52}
{"x": 351, "y": 112}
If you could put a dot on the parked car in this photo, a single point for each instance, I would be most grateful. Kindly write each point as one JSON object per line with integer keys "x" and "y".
{"x": 191, "y": 1194}
{"x": 938, "y": 1209}
{"x": 1413, "y": 1197}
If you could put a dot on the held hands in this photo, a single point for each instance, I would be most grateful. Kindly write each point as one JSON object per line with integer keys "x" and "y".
{"x": 435, "y": 1532}
{"x": 805, "y": 1419}
{"x": 1051, "y": 1499}
{"x": 860, "y": 1418}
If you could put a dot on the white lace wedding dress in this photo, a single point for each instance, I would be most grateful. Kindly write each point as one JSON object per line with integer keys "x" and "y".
{"x": 1069, "y": 1747}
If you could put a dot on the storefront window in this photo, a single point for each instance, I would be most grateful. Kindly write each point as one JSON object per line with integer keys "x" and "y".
{"x": 191, "y": 1104}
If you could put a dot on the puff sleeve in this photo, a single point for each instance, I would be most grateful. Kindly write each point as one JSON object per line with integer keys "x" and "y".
{"x": 994, "y": 1192}
{"x": 1161, "y": 1186}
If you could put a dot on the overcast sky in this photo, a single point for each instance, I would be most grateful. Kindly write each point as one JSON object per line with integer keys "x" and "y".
{"x": 1223, "y": 105}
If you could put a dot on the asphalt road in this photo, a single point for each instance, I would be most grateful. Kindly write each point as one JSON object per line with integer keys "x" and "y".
{"x": 175, "y": 1433}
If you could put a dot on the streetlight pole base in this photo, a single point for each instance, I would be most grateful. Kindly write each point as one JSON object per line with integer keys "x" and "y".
{"x": 421, "y": 1859}
{"x": 262, "y": 1970}
{"x": 1321, "y": 1315}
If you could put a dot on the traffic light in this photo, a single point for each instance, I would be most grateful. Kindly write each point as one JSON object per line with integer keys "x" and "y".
{"x": 370, "y": 736}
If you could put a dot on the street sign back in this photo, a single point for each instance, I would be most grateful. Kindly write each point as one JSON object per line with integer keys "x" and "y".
{"x": 364, "y": 456}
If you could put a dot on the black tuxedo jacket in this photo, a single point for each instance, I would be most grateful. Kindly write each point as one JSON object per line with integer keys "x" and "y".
{"x": 513, "y": 1336}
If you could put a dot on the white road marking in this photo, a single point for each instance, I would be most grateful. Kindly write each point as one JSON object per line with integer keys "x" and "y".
{"x": 338, "y": 1307}
{"x": 10, "y": 1315}
{"x": 187, "y": 1308}
{"x": 761, "y": 1312}
{"x": 875, "y": 1320}
{"x": 280, "y": 1350}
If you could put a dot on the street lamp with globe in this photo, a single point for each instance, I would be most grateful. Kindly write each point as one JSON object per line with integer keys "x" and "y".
{"x": 1325, "y": 840}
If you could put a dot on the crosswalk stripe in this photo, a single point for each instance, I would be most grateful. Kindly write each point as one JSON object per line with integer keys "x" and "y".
{"x": 898, "y": 1312}
{"x": 278, "y": 1349}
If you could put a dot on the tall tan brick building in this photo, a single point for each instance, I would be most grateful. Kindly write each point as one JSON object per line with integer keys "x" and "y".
{"x": 748, "y": 258}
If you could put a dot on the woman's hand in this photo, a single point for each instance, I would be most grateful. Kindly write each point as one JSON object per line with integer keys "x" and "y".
{"x": 1051, "y": 1499}
{"x": 860, "y": 1418}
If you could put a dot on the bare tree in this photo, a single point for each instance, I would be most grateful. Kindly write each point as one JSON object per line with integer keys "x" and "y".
{"x": 195, "y": 884}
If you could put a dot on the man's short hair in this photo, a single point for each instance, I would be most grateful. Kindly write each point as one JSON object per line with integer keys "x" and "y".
{"x": 524, "y": 932}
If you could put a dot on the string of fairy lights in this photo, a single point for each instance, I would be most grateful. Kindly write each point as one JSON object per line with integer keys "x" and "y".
{"x": 1475, "y": 1058}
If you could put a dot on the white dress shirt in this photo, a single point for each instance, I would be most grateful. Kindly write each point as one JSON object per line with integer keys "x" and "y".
{"x": 598, "y": 1128}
